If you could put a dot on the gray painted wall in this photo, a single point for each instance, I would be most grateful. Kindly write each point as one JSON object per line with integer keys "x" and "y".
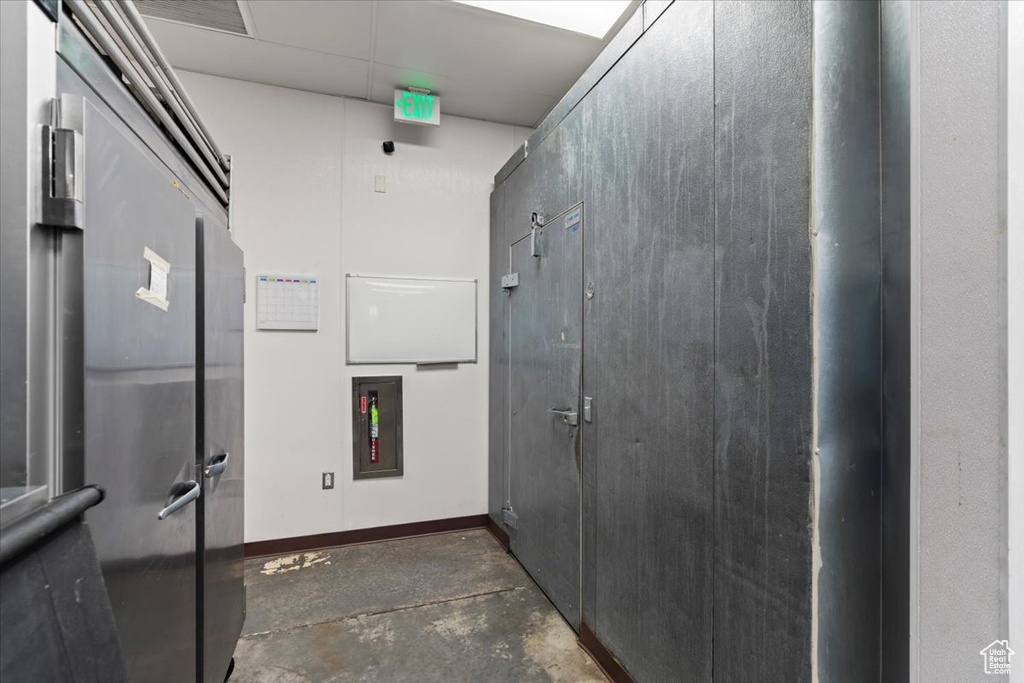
{"x": 961, "y": 396}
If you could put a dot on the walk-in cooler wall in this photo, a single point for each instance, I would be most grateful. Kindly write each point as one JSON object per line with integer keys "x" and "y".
{"x": 729, "y": 445}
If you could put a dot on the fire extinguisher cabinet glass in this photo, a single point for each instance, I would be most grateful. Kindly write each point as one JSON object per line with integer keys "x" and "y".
{"x": 376, "y": 427}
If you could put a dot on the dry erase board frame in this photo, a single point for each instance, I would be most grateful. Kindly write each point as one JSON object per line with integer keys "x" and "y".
{"x": 410, "y": 361}
{"x": 288, "y": 326}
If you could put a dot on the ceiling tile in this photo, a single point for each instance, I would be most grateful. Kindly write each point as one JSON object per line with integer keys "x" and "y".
{"x": 338, "y": 27}
{"x": 221, "y": 54}
{"x": 468, "y": 43}
{"x": 477, "y": 100}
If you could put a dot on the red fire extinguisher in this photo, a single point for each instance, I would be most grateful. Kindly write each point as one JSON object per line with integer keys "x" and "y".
{"x": 374, "y": 430}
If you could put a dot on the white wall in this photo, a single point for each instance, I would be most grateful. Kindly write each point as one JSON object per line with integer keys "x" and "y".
{"x": 1015, "y": 325}
{"x": 958, "y": 558}
{"x": 303, "y": 167}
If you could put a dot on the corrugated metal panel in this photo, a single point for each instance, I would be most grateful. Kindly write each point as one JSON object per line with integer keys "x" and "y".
{"x": 222, "y": 15}
{"x": 648, "y": 355}
{"x": 847, "y": 264}
{"x": 763, "y": 390}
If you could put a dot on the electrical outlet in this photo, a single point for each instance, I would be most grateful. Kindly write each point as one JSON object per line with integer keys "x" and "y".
{"x": 328, "y": 480}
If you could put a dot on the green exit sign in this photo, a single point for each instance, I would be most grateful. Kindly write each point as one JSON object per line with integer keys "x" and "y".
{"x": 417, "y": 107}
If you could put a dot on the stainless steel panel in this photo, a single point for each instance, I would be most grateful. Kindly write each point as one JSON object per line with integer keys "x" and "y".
{"x": 763, "y": 342}
{"x": 15, "y": 149}
{"x": 648, "y": 345}
{"x": 846, "y": 248}
{"x": 497, "y": 440}
{"x": 140, "y": 392}
{"x": 545, "y": 337}
{"x": 895, "y": 197}
{"x": 221, "y": 447}
{"x": 89, "y": 75}
{"x": 26, "y": 251}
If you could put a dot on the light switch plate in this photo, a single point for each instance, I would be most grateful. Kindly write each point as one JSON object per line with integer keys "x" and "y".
{"x": 380, "y": 183}
{"x": 328, "y": 480}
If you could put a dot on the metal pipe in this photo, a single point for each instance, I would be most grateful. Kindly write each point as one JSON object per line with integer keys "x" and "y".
{"x": 35, "y": 527}
{"x": 100, "y": 35}
{"x": 187, "y": 113}
{"x": 163, "y": 87}
{"x": 135, "y": 19}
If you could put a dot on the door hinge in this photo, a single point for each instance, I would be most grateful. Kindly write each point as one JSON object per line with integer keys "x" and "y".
{"x": 509, "y": 517}
{"x": 63, "y": 165}
{"x": 63, "y": 179}
{"x": 509, "y": 281}
{"x": 243, "y": 285}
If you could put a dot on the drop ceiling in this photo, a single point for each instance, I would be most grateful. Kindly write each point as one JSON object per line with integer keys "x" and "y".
{"x": 482, "y": 64}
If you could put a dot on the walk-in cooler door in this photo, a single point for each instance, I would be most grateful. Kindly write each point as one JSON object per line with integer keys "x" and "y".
{"x": 546, "y": 353}
{"x": 222, "y": 587}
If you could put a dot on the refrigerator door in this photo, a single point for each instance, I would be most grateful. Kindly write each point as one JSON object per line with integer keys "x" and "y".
{"x": 138, "y": 302}
{"x": 222, "y": 452}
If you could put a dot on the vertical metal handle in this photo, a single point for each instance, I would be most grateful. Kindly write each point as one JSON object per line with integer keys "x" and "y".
{"x": 185, "y": 493}
{"x": 217, "y": 466}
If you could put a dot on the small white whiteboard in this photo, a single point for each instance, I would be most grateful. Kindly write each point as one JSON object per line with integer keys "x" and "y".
{"x": 410, "y": 320}
{"x": 287, "y": 302}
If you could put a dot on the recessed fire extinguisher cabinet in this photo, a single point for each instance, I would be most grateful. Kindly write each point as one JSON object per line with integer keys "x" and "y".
{"x": 376, "y": 427}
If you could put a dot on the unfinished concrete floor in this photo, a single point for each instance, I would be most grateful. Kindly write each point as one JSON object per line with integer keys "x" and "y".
{"x": 451, "y": 607}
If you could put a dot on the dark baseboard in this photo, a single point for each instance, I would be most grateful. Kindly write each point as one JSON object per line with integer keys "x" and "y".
{"x": 499, "y": 534}
{"x": 298, "y": 544}
{"x": 605, "y": 659}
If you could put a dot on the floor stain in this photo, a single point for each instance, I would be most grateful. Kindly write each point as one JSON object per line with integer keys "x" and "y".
{"x": 551, "y": 645}
{"x": 288, "y": 563}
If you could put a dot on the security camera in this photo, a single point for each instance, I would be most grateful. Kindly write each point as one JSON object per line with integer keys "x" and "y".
{"x": 389, "y": 146}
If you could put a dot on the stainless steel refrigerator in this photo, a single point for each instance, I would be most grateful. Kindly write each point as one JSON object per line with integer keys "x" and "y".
{"x": 146, "y": 314}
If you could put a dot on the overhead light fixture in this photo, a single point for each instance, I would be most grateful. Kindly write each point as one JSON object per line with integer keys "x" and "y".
{"x": 590, "y": 17}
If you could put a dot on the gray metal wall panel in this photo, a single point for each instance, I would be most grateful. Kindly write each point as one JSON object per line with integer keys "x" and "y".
{"x": 619, "y": 45}
{"x": 845, "y": 201}
{"x": 498, "y": 360}
{"x": 648, "y": 348}
{"x": 895, "y": 186}
{"x": 511, "y": 165}
{"x": 763, "y": 391}
{"x": 654, "y": 9}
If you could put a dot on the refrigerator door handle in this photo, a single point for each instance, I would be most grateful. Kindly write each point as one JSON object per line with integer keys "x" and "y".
{"x": 185, "y": 492}
{"x": 217, "y": 465}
